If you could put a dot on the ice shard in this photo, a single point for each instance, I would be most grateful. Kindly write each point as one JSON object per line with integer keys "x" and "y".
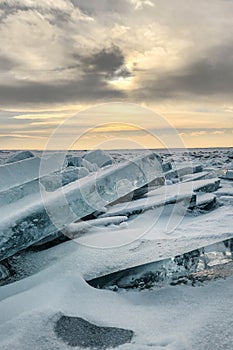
{"x": 178, "y": 172}
{"x": 98, "y": 157}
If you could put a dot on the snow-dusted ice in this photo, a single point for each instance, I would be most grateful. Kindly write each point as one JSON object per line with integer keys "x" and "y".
{"x": 35, "y": 217}
{"x": 50, "y": 282}
{"x": 98, "y": 157}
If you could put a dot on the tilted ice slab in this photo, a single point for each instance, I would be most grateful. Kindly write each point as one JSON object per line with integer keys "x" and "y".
{"x": 18, "y": 173}
{"x": 193, "y": 232}
{"x": 16, "y": 157}
{"x": 180, "y": 171}
{"x": 56, "y": 180}
{"x": 84, "y": 226}
{"x": 166, "y": 195}
{"x": 98, "y": 157}
{"x": 196, "y": 176}
{"x": 205, "y": 200}
{"x": 228, "y": 175}
{"x": 20, "y": 179}
{"x": 167, "y": 166}
{"x": 127, "y": 246}
{"x": 32, "y": 219}
{"x": 49, "y": 181}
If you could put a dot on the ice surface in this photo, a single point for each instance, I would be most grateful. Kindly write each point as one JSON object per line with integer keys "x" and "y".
{"x": 49, "y": 182}
{"x": 205, "y": 200}
{"x": 209, "y": 185}
{"x": 98, "y": 157}
{"x": 165, "y": 195}
{"x": 21, "y": 179}
{"x": 20, "y": 156}
{"x": 155, "y": 201}
{"x": 180, "y": 171}
{"x": 80, "y": 162}
{"x": 4, "y": 272}
{"x": 54, "y": 181}
{"x": 18, "y": 173}
{"x": 229, "y": 174}
{"x": 84, "y": 226}
{"x": 167, "y": 166}
{"x": 198, "y": 176}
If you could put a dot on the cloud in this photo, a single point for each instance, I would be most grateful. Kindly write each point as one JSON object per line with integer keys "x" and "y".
{"x": 47, "y": 5}
{"x": 90, "y": 88}
{"x": 19, "y": 136}
{"x": 139, "y": 4}
{"x": 6, "y": 63}
{"x": 40, "y": 116}
{"x": 204, "y": 131}
{"x": 86, "y": 52}
{"x": 90, "y": 81}
{"x": 206, "y": 77}
{"x": 116, "y": 128}
{"x": 107, "y": 60}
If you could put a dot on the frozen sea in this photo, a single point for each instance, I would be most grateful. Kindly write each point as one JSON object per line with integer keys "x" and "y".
{"x": 48, "y": 283}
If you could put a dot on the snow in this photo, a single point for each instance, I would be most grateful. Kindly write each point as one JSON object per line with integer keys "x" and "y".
{"x": 150, "y": 234}
{"x": 225, "y": 190}
{"x": 205, "y": 198}
{"x": 172, "y": 318}
{"x": 227, "y": 200}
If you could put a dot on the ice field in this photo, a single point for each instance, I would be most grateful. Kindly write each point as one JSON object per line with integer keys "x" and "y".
{"x": 148, "y": 226}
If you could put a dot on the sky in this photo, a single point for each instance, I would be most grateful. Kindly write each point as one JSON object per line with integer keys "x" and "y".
{"x": 116, "y": 74}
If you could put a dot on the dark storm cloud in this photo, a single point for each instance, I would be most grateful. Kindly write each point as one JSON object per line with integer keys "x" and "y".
{"x": 96, "y": 69}
{"x": 89, "y": 88}
{"x": 106, "y": 60}
{"x": 109, "y": 62}
{"x": 208, "y": 76}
